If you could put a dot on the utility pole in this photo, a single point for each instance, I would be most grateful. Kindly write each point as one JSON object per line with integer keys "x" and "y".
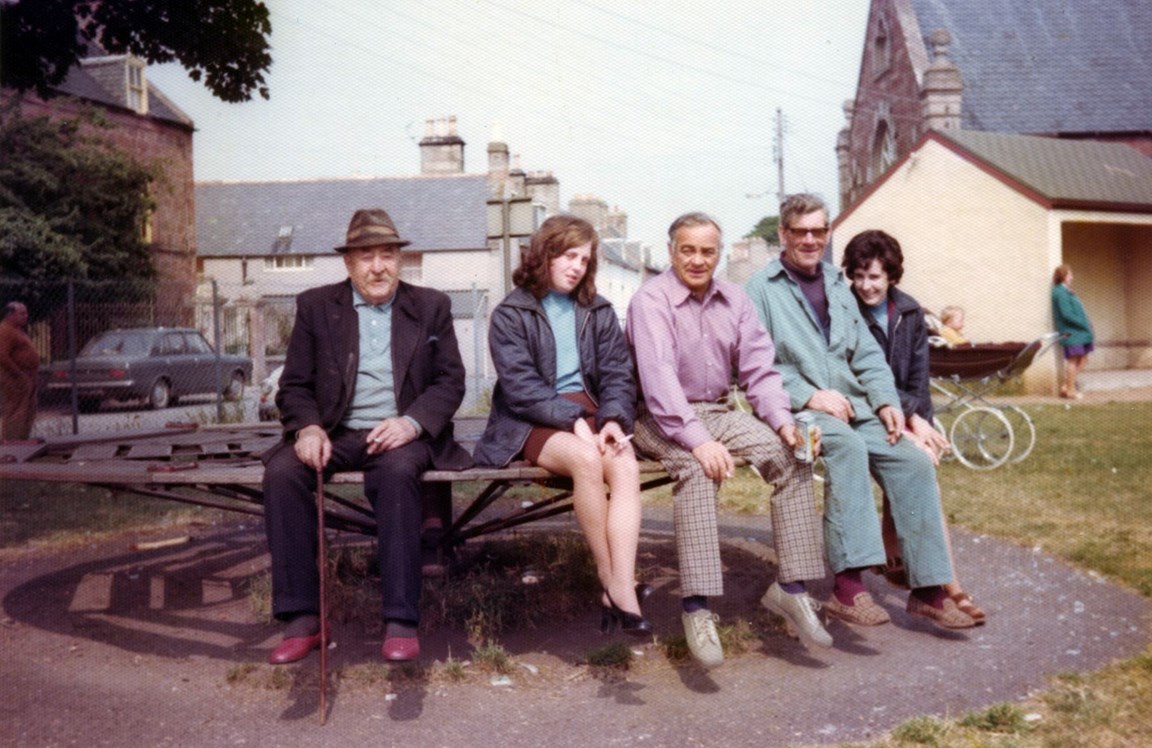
{"x": 778, "y": 153}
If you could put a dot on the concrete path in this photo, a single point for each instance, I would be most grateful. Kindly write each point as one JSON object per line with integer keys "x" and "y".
{"x": 105, "y": 645}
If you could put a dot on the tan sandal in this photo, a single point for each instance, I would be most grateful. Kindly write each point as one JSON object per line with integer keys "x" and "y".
{"x": 949, "y": 617}
{"x": 863, "y": 611}
{"x": 964, "y": 602}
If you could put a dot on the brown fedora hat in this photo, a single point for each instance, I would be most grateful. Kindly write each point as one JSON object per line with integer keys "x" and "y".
{"x": 370, "y": 228}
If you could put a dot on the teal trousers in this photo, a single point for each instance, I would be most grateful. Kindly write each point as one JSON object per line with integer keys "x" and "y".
{"x": 853, "y": 455}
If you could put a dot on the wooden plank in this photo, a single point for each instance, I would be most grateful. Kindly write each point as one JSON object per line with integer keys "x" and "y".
{"x": 149, "y": 451}
{"x": 21, "y": 451}
{"x": 102, "y": 451}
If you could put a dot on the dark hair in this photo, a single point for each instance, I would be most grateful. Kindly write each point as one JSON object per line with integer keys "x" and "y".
{"x": 1060, "y": 274}
{"x": 556, "y": 236}
{"x": 874, "y": 245}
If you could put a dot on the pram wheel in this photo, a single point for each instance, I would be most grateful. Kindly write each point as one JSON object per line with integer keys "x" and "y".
{"x": 1023, "y": 432}
{"x": 982, "y": 438}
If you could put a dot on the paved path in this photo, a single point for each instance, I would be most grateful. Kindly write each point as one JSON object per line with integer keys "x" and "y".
{"x": 104, "y": 645}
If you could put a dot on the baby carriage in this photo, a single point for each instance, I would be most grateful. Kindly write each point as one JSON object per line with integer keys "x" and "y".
{"x": 983, "y": 435}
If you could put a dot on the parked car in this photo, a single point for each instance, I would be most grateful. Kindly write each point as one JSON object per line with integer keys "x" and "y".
{"x": 156, "y": 364}
{"x": 267, "y": 410}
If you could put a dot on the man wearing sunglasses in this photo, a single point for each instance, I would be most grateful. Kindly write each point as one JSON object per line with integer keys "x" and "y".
{"x": 834, "y": 369}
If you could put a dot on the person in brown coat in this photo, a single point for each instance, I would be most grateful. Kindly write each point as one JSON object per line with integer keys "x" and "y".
{"x": 19, "y": 362}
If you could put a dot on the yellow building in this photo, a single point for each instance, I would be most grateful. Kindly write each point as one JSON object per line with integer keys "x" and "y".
{"x": 984, "y": 218}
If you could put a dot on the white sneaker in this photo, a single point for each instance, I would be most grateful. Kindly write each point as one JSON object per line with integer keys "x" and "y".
{"x": 703, "y": 639}
{"x": 799, "y": 614}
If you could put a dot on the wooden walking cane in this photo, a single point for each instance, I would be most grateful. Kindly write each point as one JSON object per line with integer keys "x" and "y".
{"x": 322, "y": 560}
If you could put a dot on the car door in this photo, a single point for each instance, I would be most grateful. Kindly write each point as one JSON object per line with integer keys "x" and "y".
{"x": 173, "y": 359}
{"x": 200, "y": 362}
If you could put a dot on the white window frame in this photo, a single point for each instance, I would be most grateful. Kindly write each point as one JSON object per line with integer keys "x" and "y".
{"x": 287, "y": 263}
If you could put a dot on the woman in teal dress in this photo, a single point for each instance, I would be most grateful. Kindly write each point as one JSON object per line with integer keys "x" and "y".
{"x": 1071, "y": 319}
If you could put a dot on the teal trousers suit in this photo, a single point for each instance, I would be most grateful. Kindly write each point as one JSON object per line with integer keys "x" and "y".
{"x": 850, "y": 362}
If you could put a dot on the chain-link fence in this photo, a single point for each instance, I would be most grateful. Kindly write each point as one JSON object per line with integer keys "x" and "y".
{"x": 110, "y": 341}
{"x": 66, "y": 318}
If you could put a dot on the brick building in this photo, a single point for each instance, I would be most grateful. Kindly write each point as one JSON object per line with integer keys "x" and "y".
{"x": 1046, "y": 67}
{"x": 151, "y": 129}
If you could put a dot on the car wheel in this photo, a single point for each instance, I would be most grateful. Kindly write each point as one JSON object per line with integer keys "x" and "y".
{"x": 88, "y": 404}
{"x": 235, "y": 389}
{"x": 161, "y": 394}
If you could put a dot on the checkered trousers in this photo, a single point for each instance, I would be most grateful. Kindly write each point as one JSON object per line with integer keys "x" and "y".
{"x": 796, "y": 525}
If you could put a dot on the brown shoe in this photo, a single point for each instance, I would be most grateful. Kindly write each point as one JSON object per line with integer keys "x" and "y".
{"x": 949, "y": 617}
{"x": 964, "y": 602}
{"x": 863, "y": 611}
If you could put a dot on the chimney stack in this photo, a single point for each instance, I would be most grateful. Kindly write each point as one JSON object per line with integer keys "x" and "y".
{"x": 441, "y": 150}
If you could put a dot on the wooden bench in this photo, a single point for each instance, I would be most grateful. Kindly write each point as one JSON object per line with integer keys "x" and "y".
{"x": 219, "y": 467}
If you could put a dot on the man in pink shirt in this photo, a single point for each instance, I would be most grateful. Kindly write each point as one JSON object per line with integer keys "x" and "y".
{"x": 690, "y": 334}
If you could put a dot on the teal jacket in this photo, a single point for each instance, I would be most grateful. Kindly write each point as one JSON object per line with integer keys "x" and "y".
{"x": 852, "y": 363}
{"x": 1069, "y": 316}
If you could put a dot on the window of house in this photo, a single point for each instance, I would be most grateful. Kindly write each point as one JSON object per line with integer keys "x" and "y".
{"x": 137, "y": 90}
{"x": 287, "y": 263}
{"x": 283, "y": 240}
{"x": 881, "y": 48}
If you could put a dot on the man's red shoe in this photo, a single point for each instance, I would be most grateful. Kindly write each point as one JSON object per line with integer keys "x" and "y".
{"x": 401, "y": 648}
{"x": 294, "y": 649}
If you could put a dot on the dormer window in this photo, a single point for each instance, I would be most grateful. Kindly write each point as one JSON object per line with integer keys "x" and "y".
{"x": 122, "y": 77}
{"x": 283, "y": 239}
{"x": 137, "y": 92}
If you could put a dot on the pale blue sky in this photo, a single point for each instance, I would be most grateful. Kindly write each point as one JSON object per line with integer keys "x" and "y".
{"x": 657, "y": 107}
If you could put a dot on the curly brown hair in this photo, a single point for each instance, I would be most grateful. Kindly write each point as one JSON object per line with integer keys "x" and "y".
{"x": 556, "y": 236}
{"x": 870, "y": 245}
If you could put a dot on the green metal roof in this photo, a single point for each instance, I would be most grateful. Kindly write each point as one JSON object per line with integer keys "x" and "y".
{"x": 1063, "y": 173}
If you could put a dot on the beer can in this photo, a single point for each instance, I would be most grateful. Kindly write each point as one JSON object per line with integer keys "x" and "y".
{"x": 805, "y": 450}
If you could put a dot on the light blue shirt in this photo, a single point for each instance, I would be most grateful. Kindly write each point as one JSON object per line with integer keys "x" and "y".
{"x": 374, "y": 398}
{"x": 561, "y": 311}
{"x": 880, "y": 314}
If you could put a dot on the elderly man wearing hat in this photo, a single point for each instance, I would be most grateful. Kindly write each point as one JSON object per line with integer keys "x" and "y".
{"x": 371, "y": 381}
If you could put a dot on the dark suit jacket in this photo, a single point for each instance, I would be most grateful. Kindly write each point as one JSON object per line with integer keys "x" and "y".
{"x": 319, "y": 376}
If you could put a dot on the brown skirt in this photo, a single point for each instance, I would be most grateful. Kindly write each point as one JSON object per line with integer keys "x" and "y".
{"x": 534, "y": 445}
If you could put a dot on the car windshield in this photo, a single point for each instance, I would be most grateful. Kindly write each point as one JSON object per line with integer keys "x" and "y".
{"x": 118, "y": 344}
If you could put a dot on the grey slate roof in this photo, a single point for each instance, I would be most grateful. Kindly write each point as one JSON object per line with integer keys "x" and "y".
{"x": 245, "y": 218}
{"x": 82, "y": 85}
{"x": 1049, "y": 66}
{"x": 1068, "y": 173}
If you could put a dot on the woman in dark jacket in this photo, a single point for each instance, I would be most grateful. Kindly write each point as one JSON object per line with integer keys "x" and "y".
{"x": 874, "y": 264}
{"x": 565, "y": 400}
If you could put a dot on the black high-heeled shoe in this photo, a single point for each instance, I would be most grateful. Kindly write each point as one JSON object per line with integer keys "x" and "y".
{"x": 643, "y": 592}
{"x": 630, "y": 623}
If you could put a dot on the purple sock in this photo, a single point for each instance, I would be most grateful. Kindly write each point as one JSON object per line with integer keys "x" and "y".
{"x": 403, "y": 629}
{"x": 304, "y": 624}
{"x": 934, "y": 595}
{"x": 848, "y": 584}
{"x": 793, "y": 588}
{"x": 693, "y": 603}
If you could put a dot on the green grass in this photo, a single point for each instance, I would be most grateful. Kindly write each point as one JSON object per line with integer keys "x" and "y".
{"x": 1082, "y": 495}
